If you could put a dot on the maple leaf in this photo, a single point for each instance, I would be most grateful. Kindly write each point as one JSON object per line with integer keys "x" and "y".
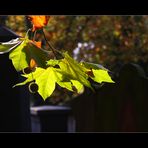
{"x": 27, "y": 54}
{"x": 39, "y": 21}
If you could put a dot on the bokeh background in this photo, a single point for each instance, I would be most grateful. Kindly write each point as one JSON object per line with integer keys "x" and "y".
{"x": 119, "y": 43}
{"x": 108, "y": 40}
{"x": 111, "y": 41}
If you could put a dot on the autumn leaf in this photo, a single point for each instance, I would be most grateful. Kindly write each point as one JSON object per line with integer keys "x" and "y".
{"x": 33, "y": 64}
{"x": 38, "y": 44}
{"x": 39, "y": 21}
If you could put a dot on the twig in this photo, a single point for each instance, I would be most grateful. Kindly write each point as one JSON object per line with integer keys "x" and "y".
{"x": 34, "y": 35}
{"x": 49, "y": 44}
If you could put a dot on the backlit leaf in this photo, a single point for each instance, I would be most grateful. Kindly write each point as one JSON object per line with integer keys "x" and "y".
{"x": 32, "y": 76}
{"x": 74, "y": 70}
{"x": 52, "y": 62}
{"x": 101, "y": 76}
{"x": 70, "y": 75}
{"x": 61, "y": 80}
{"x": 65, "y": 84}
{"x": 44, "y": 78}
{"x": 97, "y": 72}
{"x": 27, "y": 50}
{"x": 46, "y": 83}
{"x": 77, "y": 85}
{"x": 18, "y": 57}
{"x": 39, "y": 21}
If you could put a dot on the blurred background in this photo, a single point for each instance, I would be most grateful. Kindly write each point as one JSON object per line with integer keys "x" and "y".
{"x": 112, "y": 41}
{"x": 108, "y": 40}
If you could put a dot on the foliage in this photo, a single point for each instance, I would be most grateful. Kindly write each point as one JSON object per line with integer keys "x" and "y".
{"x": 108, "y": 40}
{"x": 70, "y": 75}
{"x": 38, "y": 22}
{"x": 26, "y": 51}
{"x": 98, "y": 39}
{"x": 42, "y": 72}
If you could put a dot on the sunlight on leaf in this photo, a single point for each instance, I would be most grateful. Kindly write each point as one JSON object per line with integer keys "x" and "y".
{"x": 39, "y": 21}
{"x": 97, "y": 72}
{"x": 27, "y": 50}
{"x": 18, "y": 57}
{"x": 32, "y": 76}
{"x": 61, "y": 80}
{"x": 78, "y": 85}
{"x": 74, "y": 70}
{"x": 101, "y": 76}
{"x": 70, "y": 75}
{"x": 46, "y": 83}
{"x": 52, "y": 62}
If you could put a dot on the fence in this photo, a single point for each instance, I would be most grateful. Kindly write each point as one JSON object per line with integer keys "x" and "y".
{"x": 119, "y": 107}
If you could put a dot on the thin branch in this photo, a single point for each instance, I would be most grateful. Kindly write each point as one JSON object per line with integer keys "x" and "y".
{"x": 49, "y": 44}
{"x": 34, "y": 35}
{"x": 29, "y": 30}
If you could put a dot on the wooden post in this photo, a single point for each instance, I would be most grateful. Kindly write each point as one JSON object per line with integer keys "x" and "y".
{"x": 52, "y": 119}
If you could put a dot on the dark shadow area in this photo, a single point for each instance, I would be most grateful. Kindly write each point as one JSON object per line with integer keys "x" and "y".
{"x": 119, "y": 107}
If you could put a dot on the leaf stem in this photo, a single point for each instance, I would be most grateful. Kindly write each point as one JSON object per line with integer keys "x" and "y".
{"x": 27, "y": 33}
{"x": 34, "y": 35}
{"x": 49, "y": 44}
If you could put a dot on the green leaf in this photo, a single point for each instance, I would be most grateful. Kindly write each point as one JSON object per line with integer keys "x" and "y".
{"x": 60, "y": 79}
{"x": 32, "y": 76}
{"x": 18, "y": 57}
{"x": 101, "y": 76}
{"x": 67, "y": 82}
{"x": 46, "y": 83}
{"x": 66, "y": 85}
{"x": 52, "y": 62}
{"x": 74, "y": 70}
{"x": 71, "y": 75}
{"x": 44, "y": 78}
{"x": 97, "y": 72}
{"x": 26, "y": 51}
{"x": 77, "y": 85}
